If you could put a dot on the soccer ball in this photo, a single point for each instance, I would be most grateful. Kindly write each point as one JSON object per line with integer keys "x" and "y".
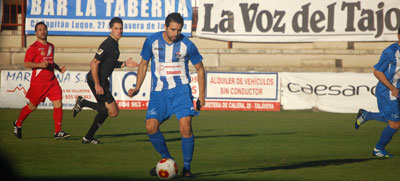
{"x": 166, "y": 168}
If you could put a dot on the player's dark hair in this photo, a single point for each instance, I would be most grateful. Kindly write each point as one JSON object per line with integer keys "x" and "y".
{"x": 115, "y": 20}
{"x": 398, "y": 32}
{"x": 40, "y": 23}
{"x": 174, "y": 17}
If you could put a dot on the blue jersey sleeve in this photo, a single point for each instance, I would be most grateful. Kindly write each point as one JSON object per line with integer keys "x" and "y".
{"x": 146, "y": 52}
{"x": 384, "y": 61}
{"x": 194, "y": 54}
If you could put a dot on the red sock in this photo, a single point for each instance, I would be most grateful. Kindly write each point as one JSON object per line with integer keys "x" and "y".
{"x": 25, "y": 111}
{"x": 57, "y": 116}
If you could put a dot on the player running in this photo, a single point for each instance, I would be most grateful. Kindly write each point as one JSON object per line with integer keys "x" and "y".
{"x": 170, "y": 52}
{"x": 387, "y": 94}
{"x": 101, "y": 68}
{"x": 40, "y": 58}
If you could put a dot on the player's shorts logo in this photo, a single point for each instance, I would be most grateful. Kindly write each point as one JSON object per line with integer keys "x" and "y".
{"x": 152, "y": 112}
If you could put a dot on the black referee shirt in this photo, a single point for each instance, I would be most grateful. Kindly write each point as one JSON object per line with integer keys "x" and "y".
{"x": 107, "y": 54}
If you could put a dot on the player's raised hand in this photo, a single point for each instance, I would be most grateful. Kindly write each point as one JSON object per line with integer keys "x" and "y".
{"x": 131, "y": 63}
{"x": 132, "y": 92}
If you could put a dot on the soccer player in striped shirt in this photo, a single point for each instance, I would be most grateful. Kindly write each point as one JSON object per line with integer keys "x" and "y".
{"x": 170, "y": 52}
{"x": 40, "y": 58}
{"x": 387, "y": 71}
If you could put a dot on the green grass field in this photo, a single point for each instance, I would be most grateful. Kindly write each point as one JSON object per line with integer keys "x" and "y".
{"x": 287, "y": 145}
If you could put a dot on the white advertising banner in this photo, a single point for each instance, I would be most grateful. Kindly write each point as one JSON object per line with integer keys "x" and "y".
{"x": 330, "y": 92}
{"x": 242, "y": 91}
{"x": 15, "y": 84}
{"x": 298, "y": 21}
{"x": 122, "y": 81}
{"x": 224, "y": 91}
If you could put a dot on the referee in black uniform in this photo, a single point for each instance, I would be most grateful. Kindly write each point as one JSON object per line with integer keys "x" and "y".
{"x": 101, "y": 68}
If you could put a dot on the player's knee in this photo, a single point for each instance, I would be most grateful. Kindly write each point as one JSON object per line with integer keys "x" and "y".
{"x": 113, "y": 113}
{"x": 395, "y": 125}
{"x": 151, "y": 126}
{"x": 186, "y": 135}
{"x": 57, "y": 104}
{"x": 186, "y": 131}
{"x": 32, "y": 107}
{"x": 185, "y": 127}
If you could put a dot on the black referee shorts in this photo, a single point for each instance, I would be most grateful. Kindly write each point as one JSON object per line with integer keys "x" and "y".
{"x": 106, "y": 97}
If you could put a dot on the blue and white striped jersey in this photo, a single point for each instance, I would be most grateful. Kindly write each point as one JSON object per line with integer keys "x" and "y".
{"x": 169, "y": 62}
{"x": 389, "y": 64}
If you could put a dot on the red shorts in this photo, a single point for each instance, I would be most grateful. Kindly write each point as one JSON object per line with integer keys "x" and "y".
{"x": 38, "y": 93}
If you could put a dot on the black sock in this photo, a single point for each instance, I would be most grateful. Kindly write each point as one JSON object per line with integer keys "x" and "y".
{"x": 96, "y": 106}
{"x": 98, "y": 121}
{"x": 86, "y": 103}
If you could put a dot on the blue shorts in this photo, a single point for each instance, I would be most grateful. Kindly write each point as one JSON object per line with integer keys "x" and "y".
{"x": 178, "y": 101}
{"x": 389, "y": 108}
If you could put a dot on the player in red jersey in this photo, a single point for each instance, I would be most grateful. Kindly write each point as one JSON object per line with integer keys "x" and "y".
{"x": 40, "y": 58}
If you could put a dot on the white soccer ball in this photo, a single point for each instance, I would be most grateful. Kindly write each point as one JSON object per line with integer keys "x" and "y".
{"x": 166, "y": 168}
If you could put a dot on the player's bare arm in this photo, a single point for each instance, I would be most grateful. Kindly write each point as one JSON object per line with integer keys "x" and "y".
{"x": 94, "y": 67}
{"x": 201, "y": 78}
{"x": 382, "y": 78}
{"x": 141, "y": 74}
{"x": 129, "y": 63}
{"x": 32, "y": 65}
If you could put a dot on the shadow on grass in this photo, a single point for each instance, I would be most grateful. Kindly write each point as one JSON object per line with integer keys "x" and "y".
{"x": 223, "y": 136}
{"x": 75, "y": 138}
{"x": 309, "y": 164}
{"x": 84, "y": 179}
{"x": 232, "y": 135}
{"x": 143, "y": 133}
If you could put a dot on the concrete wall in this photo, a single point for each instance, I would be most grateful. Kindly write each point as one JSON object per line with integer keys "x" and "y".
{"x": 76, "y": 52}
